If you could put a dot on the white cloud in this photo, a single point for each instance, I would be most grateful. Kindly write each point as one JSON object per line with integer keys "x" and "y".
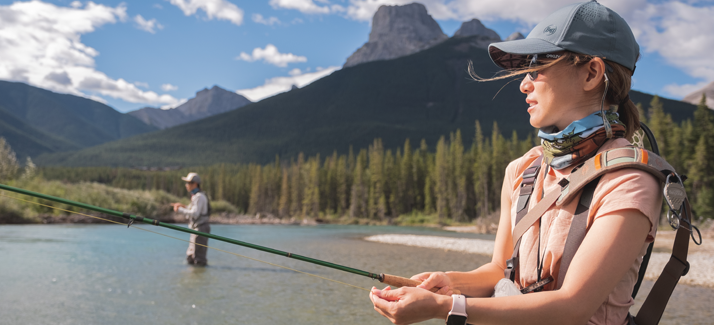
{"x": 75, "y": 4}
{"x": 680, "y": 33}
{"x": 141, "y": 84}
{"x": 258, "y": 18}
{"x": 219, "y": 9}
{"x": 278, "y": 85}
{"x": 40, "y": 44}
{"x": 683, "y": 90}
{"x": 304, "y": 6}
{"x": 169, "y": 87}
{"x": 147, "y": 25}
{"x": 271, "y": 55}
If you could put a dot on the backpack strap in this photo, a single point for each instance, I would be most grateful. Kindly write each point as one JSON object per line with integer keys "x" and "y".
{"x": 612, "y": 160}
{"x": 578, "y": 229}
{"x": 529, "y": 177}
{"x": 651, "y": 311}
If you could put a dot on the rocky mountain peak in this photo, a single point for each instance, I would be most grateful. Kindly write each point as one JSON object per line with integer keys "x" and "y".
{"x": 474, "y": 27}
{"x": 207, "y": 102}
{"x": 398, "y": 31}
{"x": 515, "y": 36}
{"x": 696, "y": 96}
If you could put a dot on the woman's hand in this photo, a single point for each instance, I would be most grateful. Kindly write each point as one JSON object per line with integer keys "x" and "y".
{"x": 435, "y": 279}
{"x": 409, "y": 305}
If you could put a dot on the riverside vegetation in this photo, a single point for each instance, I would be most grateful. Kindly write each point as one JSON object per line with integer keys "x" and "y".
{"x": 450, "y": 184}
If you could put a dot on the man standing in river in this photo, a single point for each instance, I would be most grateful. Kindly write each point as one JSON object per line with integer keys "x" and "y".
{"x": 197, "y": 213}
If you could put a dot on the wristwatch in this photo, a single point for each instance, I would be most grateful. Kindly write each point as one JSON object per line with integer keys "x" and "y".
{"x": 457, "y": 315}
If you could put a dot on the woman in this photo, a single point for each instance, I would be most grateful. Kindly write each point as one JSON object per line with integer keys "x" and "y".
{"x": 576, "y": 64}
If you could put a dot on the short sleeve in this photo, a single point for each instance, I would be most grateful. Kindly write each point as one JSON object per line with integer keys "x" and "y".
{"x": 628, "y": 189}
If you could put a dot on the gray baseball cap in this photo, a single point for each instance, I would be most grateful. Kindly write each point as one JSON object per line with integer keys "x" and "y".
{"x": 192, "y": 177}
{"x": 586, "y": 28}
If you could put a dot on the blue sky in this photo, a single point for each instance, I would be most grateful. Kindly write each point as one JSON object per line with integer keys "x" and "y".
{"x": 130, "y": 54}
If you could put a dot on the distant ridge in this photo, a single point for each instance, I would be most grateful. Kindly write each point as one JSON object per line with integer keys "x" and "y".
{"x": 425, "y": 95}
{"x": 208, "y": 102}
{"x": 696, "y": 96}
{"x": 37, "y": 121}
{"x": 474, "y": 27}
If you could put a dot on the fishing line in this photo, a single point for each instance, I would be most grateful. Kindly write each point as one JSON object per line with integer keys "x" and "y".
{"x": 184, "y": 240}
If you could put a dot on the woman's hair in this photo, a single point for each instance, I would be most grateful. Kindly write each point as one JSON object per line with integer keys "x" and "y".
{"x": 620, "y": 81}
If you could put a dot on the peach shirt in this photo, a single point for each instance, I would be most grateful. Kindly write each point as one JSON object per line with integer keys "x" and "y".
{"x": 618, "y": 190}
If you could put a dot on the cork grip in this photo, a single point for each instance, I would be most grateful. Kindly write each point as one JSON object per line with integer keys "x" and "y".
{"x": 397, "y": 281}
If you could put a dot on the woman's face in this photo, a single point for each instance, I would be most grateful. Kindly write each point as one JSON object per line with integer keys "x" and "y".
{"x": 556, "y": 97}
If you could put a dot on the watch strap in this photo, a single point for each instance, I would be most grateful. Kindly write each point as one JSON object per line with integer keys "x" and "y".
{"x": 457, "y": 315}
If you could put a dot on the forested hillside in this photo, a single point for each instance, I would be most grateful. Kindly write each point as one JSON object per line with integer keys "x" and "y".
{"x": 420, "y": 96}
{"x": 449, "y": 180}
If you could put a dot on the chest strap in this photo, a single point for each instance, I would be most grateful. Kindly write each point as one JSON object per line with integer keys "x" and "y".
{"x": 604, "y": 162}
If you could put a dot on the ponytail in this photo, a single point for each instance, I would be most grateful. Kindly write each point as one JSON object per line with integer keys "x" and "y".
{"x": 619, "y": 94}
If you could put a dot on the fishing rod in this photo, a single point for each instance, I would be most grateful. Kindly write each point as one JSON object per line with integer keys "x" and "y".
{"x": 392, "y": 280}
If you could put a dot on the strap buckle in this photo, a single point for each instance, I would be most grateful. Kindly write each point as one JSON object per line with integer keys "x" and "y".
{"x": 674, "y": 195}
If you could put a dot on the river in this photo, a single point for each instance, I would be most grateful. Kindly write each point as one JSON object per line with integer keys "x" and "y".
{"x": 108, "y": 274}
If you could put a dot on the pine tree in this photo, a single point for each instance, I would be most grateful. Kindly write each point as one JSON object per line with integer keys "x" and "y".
{"x": 458, "y": 178}
{"x": 376, "y": 171}
{"x": 255, "y": 191}
{"x": 296, "y": 186}
{"x": 341, "y": 186}
{"x": 499, "y": 161}
{"x": 441, "y": 175}
{"x": 406, "y": 180}
{"x": 358, "y": 196}
{"x": 284, "y": 209}
{"x": 311, "y": 199}
{"x": 481, "y": 173}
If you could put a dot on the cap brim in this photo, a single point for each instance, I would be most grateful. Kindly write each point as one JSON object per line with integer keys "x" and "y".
{"x": 185, "y": 179}
{"x": 512, "y": 54}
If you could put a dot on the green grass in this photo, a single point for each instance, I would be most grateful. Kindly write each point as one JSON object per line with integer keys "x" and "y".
{"x": 150, "y": 204}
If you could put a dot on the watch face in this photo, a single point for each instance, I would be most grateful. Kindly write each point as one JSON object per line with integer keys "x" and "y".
{"x": 456, "y": 320}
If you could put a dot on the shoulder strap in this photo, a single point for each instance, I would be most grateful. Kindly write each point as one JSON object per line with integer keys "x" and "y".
{"x": 630, "y": 157}
{"x": 578, "y": 229}
{"x": 652, "y": 309}
{"x": 528, "y": 180}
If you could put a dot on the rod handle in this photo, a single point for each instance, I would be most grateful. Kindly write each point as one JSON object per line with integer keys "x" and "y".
{"x": 397, "y": 281}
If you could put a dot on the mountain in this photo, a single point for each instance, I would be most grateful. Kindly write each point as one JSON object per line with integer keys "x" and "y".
{"x": 37, "y": 121}
{"x": 398, "y": 31}
{"x": 207, "y": 102}
{"x": 696, "y": 96}
{"x": 515, "y": 36}
{"x": 421, "y": 96}
{"x": 474, "y": 27}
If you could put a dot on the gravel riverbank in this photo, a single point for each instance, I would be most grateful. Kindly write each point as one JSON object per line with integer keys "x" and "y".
{"x": 701, "y": 258}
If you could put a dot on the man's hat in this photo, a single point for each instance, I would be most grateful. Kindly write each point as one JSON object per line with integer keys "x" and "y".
{"x": 586, "y": 28}
{"x": 192, "y": 177}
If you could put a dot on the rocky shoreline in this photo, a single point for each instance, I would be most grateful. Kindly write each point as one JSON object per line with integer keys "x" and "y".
{"x": 701, "y": 258}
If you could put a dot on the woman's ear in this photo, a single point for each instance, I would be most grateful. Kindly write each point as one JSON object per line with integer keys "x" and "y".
{"x": 594, "y": 74}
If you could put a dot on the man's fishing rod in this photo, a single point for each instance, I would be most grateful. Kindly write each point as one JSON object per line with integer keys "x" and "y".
{"x": 384, "y": 278}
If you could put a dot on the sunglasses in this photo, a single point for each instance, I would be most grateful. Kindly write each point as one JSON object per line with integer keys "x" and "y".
{"x": 549, "y": 57}
{"x": 534, "y": 62}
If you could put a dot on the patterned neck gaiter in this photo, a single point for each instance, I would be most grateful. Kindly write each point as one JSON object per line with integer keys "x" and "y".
{"x": 578, "y": 141}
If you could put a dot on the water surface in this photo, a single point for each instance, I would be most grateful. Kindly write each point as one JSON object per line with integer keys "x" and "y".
{"x": 108, "y": 274}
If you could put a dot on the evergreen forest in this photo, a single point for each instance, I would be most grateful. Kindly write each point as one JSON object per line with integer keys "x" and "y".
{"x": 443, "y": 181}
